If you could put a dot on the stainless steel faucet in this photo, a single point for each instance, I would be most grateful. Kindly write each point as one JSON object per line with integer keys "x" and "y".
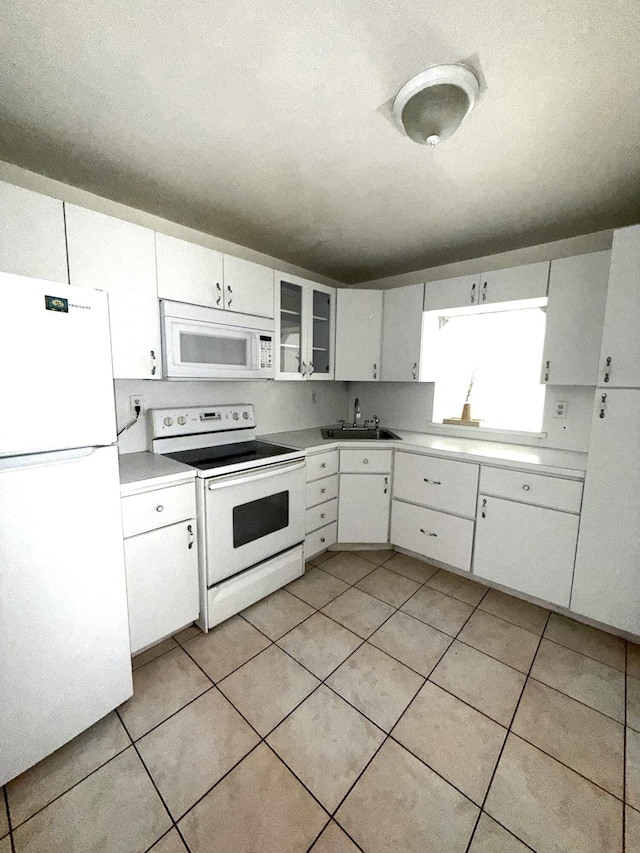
{"x": 357, "y": 414}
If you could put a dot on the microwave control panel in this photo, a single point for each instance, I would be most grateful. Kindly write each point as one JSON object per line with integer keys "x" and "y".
{"x": 193, "y": 420}
{"x": 266, "y": 351}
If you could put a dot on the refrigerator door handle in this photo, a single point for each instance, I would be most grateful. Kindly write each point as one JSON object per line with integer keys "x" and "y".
{"x": 37, "y": 460}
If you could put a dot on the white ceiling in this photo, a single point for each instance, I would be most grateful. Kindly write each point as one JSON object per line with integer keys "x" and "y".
{"x": 266, "y": 122}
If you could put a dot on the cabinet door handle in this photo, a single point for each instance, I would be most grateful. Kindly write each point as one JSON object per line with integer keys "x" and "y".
{"x": 546, "y": 375}
{"x": 322, "y": 539}
{"x": 473, "y": 293}
{"x": 323, "y": 465}
{"x": 427, "y": 534}
{"x": 191, "y": 536}
{"x": 153, "y": 362}
{"x": 432, "y": 482}
{"x": 303, "y": 368}
{"x": 484, "y": 504}
{"x": 608, "y": 368}
{"x": 386, "y": 485}
{"x": 219, "y": 296}
{"x": 375, "y": 371}
{"x": 159, "y": 508}
{"x": 230, "y": 295}
{"x": 603, "y": 400}
{"x": 484, "y": 292}
{"x": 323, "y": 515}
{"x": 312, "y": 369}
{"x": 415, "y": 370}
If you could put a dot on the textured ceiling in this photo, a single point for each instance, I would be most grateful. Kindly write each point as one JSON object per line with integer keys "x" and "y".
{"x": 267, "y": 122}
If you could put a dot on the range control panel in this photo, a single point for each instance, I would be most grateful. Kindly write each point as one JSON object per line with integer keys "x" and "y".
{"x": 193, "y": 420}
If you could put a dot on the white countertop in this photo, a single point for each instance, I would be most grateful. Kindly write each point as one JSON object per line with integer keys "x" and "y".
{"x": 140, "y": 470}
{"x": 545, "y": 460}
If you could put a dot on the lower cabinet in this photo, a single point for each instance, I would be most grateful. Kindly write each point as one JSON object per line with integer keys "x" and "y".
{"x": 321, "y": 502}
{"x": 364, "y": 508}
{"x": 161, "y": 558}
{"x": 435, "y": 535}
{"x": 528, "y": 548}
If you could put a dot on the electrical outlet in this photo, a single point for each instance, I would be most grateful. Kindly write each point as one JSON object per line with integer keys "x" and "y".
{"x": 134, "y": 401}
{"x": 560, "y": 410}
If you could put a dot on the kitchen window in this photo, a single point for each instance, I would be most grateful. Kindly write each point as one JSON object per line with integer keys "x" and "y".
{"x": 490, "y": 359}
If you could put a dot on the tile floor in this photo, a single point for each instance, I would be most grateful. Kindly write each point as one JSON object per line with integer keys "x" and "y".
{"x": 375, "y": 704}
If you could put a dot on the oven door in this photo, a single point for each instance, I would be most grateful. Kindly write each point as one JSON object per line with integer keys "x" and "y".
{"x": 200, "y": 350}
{"x": 249, "y": 517}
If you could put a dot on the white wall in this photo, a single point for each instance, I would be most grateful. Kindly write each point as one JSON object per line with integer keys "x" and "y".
{"x": 279, "y": 405}
{"x": 409, "y": 405}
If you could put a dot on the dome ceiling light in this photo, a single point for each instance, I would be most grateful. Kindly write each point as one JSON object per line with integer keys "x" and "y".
{"x": 432, "y": 105}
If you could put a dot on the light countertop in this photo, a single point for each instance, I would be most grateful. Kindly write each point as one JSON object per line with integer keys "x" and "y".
{"x": 143, "y": 470}
{"x": 544, "y": 460}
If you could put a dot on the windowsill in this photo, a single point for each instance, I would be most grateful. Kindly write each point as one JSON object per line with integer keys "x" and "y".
{"x": 484, "y": 434}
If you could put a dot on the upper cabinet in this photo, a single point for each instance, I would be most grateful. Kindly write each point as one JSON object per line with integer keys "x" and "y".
{"x": 575, "y": 313}
{"x": 305, "y": 328}
{"x": 119, "y": 258}
{"x": 402, "y": 334}
{"x": 359, "y": 335}
{"x": 525, "y": 282}
{"x": 188, "y": 272}
{"x": 620, "y": 353}
{"x": 32, "y": 240}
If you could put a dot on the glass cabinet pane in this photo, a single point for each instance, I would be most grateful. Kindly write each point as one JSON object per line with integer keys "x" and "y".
{"x": 321, "y": 333}
{"x": 290, "y": 327}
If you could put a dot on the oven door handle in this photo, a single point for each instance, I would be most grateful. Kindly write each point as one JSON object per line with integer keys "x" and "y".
{"x": 240, "y": 478}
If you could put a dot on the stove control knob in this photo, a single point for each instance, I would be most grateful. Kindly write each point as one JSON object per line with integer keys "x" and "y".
{"x": 168, "y": 421}
{"x": 182, "y": 420}
{"x": 236, "y": 416}
{"x": 245, "y": 415}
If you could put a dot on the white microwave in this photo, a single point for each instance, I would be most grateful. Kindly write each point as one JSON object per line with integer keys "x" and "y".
{"x": 207, "y": 343}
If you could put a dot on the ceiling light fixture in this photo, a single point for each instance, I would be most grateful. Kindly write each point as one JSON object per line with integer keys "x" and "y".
{"x": 432, "y": 105}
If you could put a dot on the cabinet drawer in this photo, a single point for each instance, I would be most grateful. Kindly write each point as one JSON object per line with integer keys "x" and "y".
{"x": 322, "y": 490}
{"x": 320, "y": 515}
{"x": 532, "y": 488}
{"x": 436, "y": 535}
{"x": 158, "y": 508}
{"x": 322, "y": 465}
{"x": 438, "y": 483}
{"x": 320, "y": 540}
{"x": 365, "y": 461}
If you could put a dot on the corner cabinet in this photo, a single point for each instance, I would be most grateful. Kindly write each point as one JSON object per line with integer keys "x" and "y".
{"x": 119, "y": 257}
{"x": 32, "y": 239}
{"x": 305, "y": 329}
{"x": 359, "y": 335}
{"x": 365, "y": 496}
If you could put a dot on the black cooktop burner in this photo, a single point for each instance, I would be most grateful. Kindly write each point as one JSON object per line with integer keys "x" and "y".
{"x": 228, "y": 454}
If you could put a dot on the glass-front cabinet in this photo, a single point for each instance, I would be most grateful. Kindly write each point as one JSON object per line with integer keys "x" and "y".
{"x": 305, "y": 329}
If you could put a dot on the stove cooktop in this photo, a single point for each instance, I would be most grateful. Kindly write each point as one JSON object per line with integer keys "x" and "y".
{"x": 206, "y": 458}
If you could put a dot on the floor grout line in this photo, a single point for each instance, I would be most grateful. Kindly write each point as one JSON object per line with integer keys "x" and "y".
{"x": 624, "y": 751}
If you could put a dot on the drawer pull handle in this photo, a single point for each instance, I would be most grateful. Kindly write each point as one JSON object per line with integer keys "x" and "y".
{"x": 323, "y": 515}
{"x": 324, "y": 465}
{"x": 433, "y": 482}
{"x": 366, "y": 461}
{"x": 191, "y": 536}
{"x": 526, "y": 487}
{"x": 603, "y": 398}
{"x": 322, "y": 539}
{"x": 323, "y": 491}
{"x": 386, "y": 485}
{"x": 608, "y": 364}
{"x": 427, "y": 534}
{"x": 159, "y": 508}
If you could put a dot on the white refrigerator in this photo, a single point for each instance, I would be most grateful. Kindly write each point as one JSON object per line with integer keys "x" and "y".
{"x": 64, "y": 635}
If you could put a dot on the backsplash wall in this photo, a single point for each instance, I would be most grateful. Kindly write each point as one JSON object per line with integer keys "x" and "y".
{"x": 279, "y": 406}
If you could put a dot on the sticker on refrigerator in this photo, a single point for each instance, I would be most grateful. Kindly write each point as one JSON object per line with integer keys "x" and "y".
{"x": 56, "y": 303}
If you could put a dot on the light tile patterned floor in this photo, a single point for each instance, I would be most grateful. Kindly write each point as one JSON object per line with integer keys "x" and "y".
{"x": 376, "y": 704}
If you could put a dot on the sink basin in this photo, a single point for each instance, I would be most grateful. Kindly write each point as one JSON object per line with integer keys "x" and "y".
{"x": 358, "y": 434}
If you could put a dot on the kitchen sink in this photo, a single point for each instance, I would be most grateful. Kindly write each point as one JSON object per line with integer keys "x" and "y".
{"x": 359, "y": 434}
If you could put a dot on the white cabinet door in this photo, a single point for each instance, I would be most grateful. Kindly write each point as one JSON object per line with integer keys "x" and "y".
{"x": 119, "y": 258}
{"x": 525, "y": 282}
{"x": 452, "y": 292}
{"x": 248, "y": 287}
{"x": 607, "y": 578}
{"x": 32, "y": 240}
{"x": 358, "y": 335}
{"x": 162, "y": 582}
{"x": 363, "y": 514}
{"x": 291, "y": 327}
{"x": 402, "y": 333}
{"x": 526, "y": 547}
{"x": 319, "y": 308}
{"x": 188, "y": 272}
{"x": 620, "y": 354}
{"x": 575, "y": 314}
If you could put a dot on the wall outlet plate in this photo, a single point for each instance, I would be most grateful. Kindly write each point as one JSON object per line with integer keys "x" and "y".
{"x": 136, "y": 400}
{"x": 560, "y": 410}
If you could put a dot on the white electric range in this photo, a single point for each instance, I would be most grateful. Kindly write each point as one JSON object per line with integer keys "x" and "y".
{"x": 250, "y": 499}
